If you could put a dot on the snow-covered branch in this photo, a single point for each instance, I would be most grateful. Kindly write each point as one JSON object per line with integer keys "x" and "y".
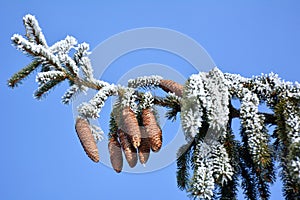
{"x": 206, "y": 111}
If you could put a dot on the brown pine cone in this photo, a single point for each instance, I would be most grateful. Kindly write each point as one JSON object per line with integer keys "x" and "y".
{"x": 128, "y": 149}
{"x": 171, "y": 86}
{"x": 152, "y": 129}
{"x": 144, "y": 148}
{"x": 115, "y": 153}
{"x": 86, "y": 138}
{"x": 131, "y": 127}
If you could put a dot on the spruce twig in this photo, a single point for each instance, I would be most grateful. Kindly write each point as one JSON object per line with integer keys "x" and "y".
{"x": 17, "y": 78}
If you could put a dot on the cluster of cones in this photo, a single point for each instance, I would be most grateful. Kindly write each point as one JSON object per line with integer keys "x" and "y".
{"x": 134, "y": 139}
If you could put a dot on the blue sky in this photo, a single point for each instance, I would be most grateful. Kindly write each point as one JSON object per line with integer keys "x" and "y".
{"x": 41, "y": 157}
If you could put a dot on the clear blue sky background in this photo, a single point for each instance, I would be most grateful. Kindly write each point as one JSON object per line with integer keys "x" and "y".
{"x": 41, "y": 157}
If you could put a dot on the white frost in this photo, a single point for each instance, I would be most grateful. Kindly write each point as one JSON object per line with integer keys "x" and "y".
{"x": 147, "y": 100}
{"x": 94, "y": 106}
{"x": 144, "y": 81}
{"x": 253, "y": 123}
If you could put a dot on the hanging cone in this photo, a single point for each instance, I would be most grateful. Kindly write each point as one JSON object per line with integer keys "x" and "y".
{"x": 171, "y": 86}
{"x": 115, "y": 153}
{"x": 131, "y": 127}
{"x": 152, "y": 129}
{"x": 144, "y": 148}
{"x": 87, "y": 139}
{"x": 128, "y": 149}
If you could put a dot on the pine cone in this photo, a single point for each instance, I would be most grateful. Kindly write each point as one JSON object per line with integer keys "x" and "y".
{"x": 152, "y": 129}
{"x": 86, "y": 138}
{"x": 144, "y": 148}
{"x": 171, "y": 86}
{"x": 128, "y": 149}
{"x": 131, "y": 127}
{"x": 115, "y": 153}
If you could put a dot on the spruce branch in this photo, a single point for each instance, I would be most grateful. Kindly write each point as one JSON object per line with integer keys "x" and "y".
{"x": 82, "y": 50}
{"x": 33, "y": 30}
{"x": 63, "y": 46}
{"x": 44, "y": 77}
{"x": 248, "y": 182}
{"x": 268, "y": 117}
{"x": 17, "y": 78}
{"x": 145, "y": 82}
{"x": 71, "y": 93}
{"x": 37, "y": 51}
{"x": 44, "y": 88}
{"x": 229, "y": 190}
{"x": 183, "y": 167}
{"x": 288, "y": 148}
{"x": 49, "y": 59}
{"x": 206, "y": 111}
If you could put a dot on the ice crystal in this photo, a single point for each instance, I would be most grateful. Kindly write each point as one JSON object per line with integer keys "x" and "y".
{"x": 100, "y": 83}
{"x": 203, "y": 185}
{"x": 147, "y": 101}
{"x": 235, "y": 83}
{"x": 128, "y": 99}
{"x": 97, "y": 133}
{"x": 207, "y": 91}
{"x": 82, "y": 50}
{"x": 44, "y": 77}
{"x": 71, "y": 92}
{"x": 295, "y": 169}
{"x": 86, "y": 67}
{"x": 172, "y": 95}
{"x": 211, "y": 166}
{"x": 253, "y": 123}
{"x": 64, "y": 46}
{"x": 38, "y": 51}
{"x": 222, "y": 168}
{"x": 191, "y": 122}
{"x": 264, "y": 86}
{"x": 33, "y": 30}
{"x": 93, "y": 107}
{"x": 192, "y": 107}
{"x": 195, "y": 87}
{"x": 217, "y": 105}
{"x": 293, "y": 122}
{"x": 145, "y": 81}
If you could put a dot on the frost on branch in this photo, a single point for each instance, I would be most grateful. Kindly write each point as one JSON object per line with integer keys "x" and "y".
{"x": 292, "y": 113}
{"x": 216, "y": 158}
{"x": 217, "y": 105}
{"x": 194, "y": 99}
{"x": 72, "y": 92}
{"x": 253, "y": 123}
{"x": 145, "y": 81}
{"x": 206, "y": 92}
{"x": 93, "y": 107}
{"x": 44, "y": 77}
{"x": 64, "y": 46}
{"x": 147, "y": 101}
{"x": 211, "y": 166}
{"x": 128, "y": 99}
{"x": 292, "y": 123}
{"x": 33, "y": 30}
{"x": 295, "y": 169}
